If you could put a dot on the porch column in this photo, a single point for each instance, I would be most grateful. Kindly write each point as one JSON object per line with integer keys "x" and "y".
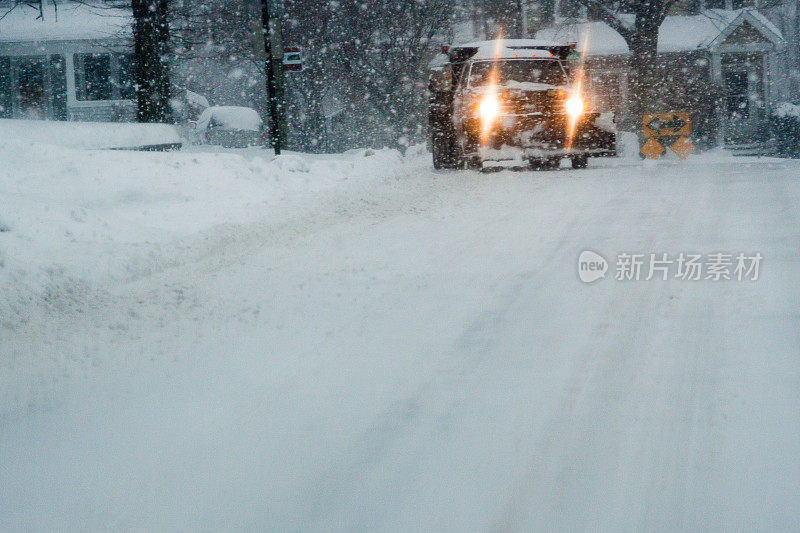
{"x": 69, "y": 71}
{"x": 716, "y": 66}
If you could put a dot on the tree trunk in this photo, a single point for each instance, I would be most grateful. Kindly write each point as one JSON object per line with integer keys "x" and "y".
{"x": 645, "y": 73}
{"x": 151, "y": 42}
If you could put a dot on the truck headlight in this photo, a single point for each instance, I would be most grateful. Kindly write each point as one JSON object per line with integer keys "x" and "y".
{"x": 575, "y": 106}
{"x": 488, "y": 108}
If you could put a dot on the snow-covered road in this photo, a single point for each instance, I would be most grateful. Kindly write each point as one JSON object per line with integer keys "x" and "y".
{"x": 414, "y": 351}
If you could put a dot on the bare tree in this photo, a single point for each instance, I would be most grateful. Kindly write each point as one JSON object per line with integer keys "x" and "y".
{"x": 151, "y": 46}
{"x": 36, "y": 4}
{"x": 638, "y": 22}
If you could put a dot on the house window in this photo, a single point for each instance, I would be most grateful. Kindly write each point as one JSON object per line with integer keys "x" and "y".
{"x": 29, "y": 97}
{"x": 124, "y": 77}
{"x": 93, "y": 76}
{"x": 5, "y": 87}
{"x": 104, "y": 77}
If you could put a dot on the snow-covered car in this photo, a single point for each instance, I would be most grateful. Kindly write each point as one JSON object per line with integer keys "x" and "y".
{"x": 231, "y": 126}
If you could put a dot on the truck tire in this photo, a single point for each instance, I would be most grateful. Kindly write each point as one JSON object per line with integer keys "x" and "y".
{"x": 580, "y": 161}
{"x": 440, "y": 152}
{"x": 445, "y": 150}
{"x": 552, "y": 163}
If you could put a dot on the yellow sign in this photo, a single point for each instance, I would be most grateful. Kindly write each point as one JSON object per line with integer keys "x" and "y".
{"x": 652, "y": 149}
{"x": 667, "y": 124}
{"x": 670, "y": 129}
{"x": 682, "y": 147}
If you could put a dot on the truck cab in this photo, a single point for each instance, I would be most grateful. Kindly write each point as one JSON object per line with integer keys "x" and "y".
{"x": 512, "y": 102}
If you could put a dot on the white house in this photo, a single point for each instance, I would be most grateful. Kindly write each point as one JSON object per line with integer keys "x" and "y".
{"x": 740, "y": 51}
{"x": 74, "y": 62}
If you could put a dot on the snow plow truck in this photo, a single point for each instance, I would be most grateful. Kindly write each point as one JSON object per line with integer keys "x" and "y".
{"x": 512, "y": 103}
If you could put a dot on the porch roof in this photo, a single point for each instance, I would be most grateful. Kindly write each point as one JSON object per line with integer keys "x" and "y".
{"x": 70, "y": 21}
{"x": 678, "y": 33}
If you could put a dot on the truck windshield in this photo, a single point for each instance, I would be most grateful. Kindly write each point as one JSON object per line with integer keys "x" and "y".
{"x": 547, "y": 71}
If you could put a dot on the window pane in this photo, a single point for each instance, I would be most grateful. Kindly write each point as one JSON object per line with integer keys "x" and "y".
{"x": 518, "y": 70}
{"x": 95, "y": 81}
{"x": 30, "y": 88}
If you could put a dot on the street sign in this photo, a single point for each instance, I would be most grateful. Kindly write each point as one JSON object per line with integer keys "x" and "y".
{"x": 667, "y": 124}
{"x": 671, "y": 130}
{"x": 293, "y": 59}
{"x": 682, "y": 147}
{"x": 652, "y": 149}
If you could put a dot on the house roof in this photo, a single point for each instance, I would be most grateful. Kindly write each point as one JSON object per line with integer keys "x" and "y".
{"x": 678, "y": 33}
{"x": 64, "y": 22}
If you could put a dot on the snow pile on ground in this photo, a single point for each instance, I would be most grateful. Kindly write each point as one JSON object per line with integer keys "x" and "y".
{"x": 197, "y": 100}
{"x": 230, "y": 118}
{"x": 787, "y": 109}
{"x": 628, "y": 144}
{"x": 83, "y": 212}
{"x": 88, "y": 135}
{"x": 73, "y": 223}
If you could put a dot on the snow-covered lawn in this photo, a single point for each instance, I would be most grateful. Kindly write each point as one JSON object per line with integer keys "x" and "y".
{"x": 220, "y": 340}
{"x": 77, "y": 223}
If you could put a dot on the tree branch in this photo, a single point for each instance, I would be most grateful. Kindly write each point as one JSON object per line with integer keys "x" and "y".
{"x": 611, "y": 16}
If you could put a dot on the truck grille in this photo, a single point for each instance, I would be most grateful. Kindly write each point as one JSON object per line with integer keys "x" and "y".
{"x": 532, "y": 102}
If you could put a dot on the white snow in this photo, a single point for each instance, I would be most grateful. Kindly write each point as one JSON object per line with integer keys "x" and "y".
{"x": 227, "y": 340}
{"x": 787, "y": 109}
{"x": 197, "y": 100}
{"x": 86, "y": 135}
{"x": 230, "y": 118}
{"x": 677, "y": 33}
{"x": 71, "y": 21}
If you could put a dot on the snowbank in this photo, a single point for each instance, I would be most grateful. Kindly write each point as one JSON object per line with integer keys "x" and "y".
{"x": 230, "y": 118}
{"x": 80, "y": 222}
{"x": 100, "y": 215}
{"x": 786, "y": 109}
{"x": 88, "y": 135}
{"x": 197, "y": 100}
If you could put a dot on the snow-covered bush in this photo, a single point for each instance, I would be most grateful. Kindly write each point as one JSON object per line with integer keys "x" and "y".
{"x": 787, "y": 109}
{"x": 230, "y": 118}
{"x": 785, "y": 124}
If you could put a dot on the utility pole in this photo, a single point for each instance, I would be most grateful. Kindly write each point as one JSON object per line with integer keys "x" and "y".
{"x": 272, "y": 79}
